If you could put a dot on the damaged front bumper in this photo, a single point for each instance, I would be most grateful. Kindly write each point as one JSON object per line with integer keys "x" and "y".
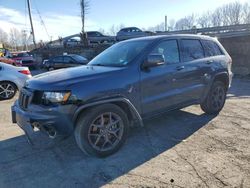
{"x": 50, "y": 121}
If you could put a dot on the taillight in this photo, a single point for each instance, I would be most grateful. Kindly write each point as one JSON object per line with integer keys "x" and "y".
{"x": 26, "y": 72}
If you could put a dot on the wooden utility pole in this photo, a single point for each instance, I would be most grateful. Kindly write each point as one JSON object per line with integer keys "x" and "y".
{"x": 31, "y": 23}
{"x": 84, "y": 8}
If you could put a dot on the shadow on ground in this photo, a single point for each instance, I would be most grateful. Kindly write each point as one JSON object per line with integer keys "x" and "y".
{"x": 62, "y": 164}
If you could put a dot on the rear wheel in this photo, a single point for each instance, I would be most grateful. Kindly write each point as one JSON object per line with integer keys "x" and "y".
{"x": 102, "y": 130}
{"x": 51, "y": 69}
{"x": 215, "y": 100}
{"x": 7, "y": 90}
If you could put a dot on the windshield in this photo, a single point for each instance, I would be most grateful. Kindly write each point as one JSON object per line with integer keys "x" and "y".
{"x": 120, "y": 54}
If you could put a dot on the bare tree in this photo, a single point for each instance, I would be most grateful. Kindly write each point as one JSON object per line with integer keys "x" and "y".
{"x": 84, "y": 4}
{"x": 246, "y": 13}
{"x": 216, "y": 18}
{"x": 115, "y": 28}
{"x": 112, "y": 30}
{"x": 232, "y": 13}
{"x": 3, "y": 36}
{"x": 15, "y": 38}
{"x": 101, "y": 30}
{"x": 205, "y": 20}
{"x": 171, "y": 25}
{"x": 186, "y": 23}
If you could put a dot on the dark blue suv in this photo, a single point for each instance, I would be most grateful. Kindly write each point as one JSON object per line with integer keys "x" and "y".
{"x": 124, "y": 85}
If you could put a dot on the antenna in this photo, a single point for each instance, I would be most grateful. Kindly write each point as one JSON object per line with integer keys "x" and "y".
{"x": 31, "y": 24}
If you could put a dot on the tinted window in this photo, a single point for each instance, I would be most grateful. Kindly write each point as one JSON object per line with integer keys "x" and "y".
{"x": 23, "y": 55}
{"x": 211, "y": 48}
{"x": 58, "y": 59}
{"x": 67, "y": 59}
{"x": 79, "y": 58}
{"x": 170, "y": 51}
{"x": 91, "y": 34}
{"x": 192, "y": 50}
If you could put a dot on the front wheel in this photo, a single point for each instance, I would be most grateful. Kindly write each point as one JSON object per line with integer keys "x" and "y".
{"x": 215, "y": 100}
{"x": 7, "y": 90}
{"x": 102, "y": 130}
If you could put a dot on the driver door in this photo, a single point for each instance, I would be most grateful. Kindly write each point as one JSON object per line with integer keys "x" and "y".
{"x": 157, "y": 82}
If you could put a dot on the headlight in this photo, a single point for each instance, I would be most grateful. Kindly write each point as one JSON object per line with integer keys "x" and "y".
{"x": 55, "y": 97}
{"x": 19, "y": 61}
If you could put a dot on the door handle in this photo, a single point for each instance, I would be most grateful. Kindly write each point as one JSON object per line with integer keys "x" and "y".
{"x": 179, "y": 68}
{"x": 210, "y": 61}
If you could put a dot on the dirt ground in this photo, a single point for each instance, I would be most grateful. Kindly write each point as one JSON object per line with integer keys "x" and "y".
{"x": 184, "y": 148}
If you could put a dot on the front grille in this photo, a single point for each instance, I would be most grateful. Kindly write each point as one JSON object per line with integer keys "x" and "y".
{"x": 24, "y": 99}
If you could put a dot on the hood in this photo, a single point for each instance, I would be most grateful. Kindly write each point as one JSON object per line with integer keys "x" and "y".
{"x": 61, "y": 79}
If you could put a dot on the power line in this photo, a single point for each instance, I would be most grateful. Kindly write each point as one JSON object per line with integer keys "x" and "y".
{"x": 41, "y": 19}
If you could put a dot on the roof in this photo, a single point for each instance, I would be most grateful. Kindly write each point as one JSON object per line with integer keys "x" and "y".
{"x": 175, "y": 36}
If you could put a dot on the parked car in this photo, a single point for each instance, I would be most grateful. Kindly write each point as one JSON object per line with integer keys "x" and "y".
{"x": 72, "y": 42}
{"x": 131, "y": 32}
{"x": 129, "y": 82}
{"x": 12, "y": 79}
{"x": 97, "y": 37}
{"x": 64, "y": 61}
{"x": 24, "y": 59}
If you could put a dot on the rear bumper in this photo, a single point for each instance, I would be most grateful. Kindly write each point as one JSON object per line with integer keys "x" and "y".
{"x": 53, "y": 120}
{"x": 230, "y": 77}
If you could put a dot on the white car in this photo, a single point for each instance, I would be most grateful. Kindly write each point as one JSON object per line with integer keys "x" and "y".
{"x": 12, "y": 79}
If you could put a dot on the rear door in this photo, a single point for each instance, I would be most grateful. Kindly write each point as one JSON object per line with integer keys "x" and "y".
{"x": 69, "y": 62}
{"x": 189, "y": 81}
{"x": 58, "y": 62}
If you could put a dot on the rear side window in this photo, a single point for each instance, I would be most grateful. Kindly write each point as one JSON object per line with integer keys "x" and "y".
{"x": 211, "y": 48}
{"x": 192, "y": 50}
{"x": 170, "y": 51}
{"x": 67, "y": 59}
{"x": 58, "y": 59}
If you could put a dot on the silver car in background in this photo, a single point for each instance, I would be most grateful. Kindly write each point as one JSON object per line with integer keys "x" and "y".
{"x": 99, "y": 38}
{"x": 131, "y": 32}
{"x": 12, "y": 79}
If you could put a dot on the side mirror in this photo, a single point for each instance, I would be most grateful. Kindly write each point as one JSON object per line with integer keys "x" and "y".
{"x": 154, "y": 60}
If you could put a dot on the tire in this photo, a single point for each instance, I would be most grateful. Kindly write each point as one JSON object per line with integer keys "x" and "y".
{"x": 216, "y": 98}
{"x": 51, "y": 69}
{"x": 97, "y": 135}
{"x": 7, "y": 90}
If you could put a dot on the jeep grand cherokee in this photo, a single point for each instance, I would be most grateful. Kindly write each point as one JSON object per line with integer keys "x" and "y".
{"x": 127, "y": 83}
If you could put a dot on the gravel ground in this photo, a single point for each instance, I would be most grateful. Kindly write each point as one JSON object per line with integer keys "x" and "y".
{"x": 184, "y": 148}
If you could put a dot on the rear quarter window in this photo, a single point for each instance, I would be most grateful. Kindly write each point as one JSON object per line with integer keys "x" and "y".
{"x": 211, "y": 48}
{"x": 192, "y": 50}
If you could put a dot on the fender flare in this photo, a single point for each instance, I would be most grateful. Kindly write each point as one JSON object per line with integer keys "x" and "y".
{"x": 219, "y": 74}
{"x": 132, "y": 108}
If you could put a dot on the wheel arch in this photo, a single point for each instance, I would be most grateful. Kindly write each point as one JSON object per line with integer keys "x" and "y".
{"x": 223, "y": 77}
{"x": 123, "y": 103}
{"x": 10, "y": 82}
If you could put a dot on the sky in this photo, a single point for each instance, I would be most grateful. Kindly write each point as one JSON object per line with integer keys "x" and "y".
{"x": 62, "y": 17}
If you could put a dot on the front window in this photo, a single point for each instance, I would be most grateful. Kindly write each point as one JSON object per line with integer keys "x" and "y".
{"x": 120, "y": 54}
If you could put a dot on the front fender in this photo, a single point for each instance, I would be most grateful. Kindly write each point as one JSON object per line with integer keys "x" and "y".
{"x": 132, "y": 108}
